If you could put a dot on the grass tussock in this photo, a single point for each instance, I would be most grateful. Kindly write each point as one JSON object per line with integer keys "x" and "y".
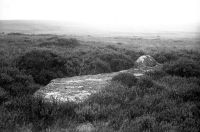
{"x": 183, "y": 67}
{"x": 127, "y": 79}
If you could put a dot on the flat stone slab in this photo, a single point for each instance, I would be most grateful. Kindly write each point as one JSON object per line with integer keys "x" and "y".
{"x": 79, "y": 88}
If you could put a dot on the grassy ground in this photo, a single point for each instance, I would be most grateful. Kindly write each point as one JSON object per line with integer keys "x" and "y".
{"x": 163, "y": 100}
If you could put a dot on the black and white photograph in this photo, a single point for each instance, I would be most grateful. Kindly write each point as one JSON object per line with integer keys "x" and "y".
{"x": 99, "y": 65}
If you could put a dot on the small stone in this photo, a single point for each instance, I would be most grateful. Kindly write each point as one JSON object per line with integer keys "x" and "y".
{"x": 146, "y": 61}
{"x": 88, "y": 127}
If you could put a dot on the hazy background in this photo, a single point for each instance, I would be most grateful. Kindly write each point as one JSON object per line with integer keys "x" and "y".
{"x": 107, "y": 15}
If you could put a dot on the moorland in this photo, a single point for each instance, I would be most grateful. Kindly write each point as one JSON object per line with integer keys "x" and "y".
{"x": 163, "y": 100}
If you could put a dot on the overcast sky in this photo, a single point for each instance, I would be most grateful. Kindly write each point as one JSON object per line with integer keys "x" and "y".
{"x": 113, "y": 14}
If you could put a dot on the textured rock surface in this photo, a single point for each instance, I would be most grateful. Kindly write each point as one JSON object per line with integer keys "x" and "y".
{"x": 146, "y": 61}
{"x": 85, "y": 128}
{"x": 78, "y": 88}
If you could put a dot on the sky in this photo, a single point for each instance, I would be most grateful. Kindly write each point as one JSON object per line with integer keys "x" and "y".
{"x": 109, "y": 14}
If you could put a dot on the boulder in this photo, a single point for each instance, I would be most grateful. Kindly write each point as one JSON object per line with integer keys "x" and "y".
{"x": 146, "y": 61}
{"x": 88, "y": 127}
{"x": 79, "y": 88}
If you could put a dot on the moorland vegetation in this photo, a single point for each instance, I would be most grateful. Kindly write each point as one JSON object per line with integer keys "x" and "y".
{"x": 163, "y": 100}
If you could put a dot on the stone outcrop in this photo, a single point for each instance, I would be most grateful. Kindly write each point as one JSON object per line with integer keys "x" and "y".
{"x": 146, "y": 61}
{"x": 79, "y": 88}
{"x": 88, "y": 127}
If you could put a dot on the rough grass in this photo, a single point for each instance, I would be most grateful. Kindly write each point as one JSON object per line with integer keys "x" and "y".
{"x": 127, "y": 79}
{"x": 170, "y": 103}
{"x": 183, "y": 67}
{"x": 163, "y": 100}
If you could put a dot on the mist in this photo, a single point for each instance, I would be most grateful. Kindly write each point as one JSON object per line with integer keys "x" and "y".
{"x": 108, "y": 15}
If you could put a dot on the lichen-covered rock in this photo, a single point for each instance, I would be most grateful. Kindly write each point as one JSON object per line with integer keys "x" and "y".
{"x": 146, "y": 61}
{"x": 85, "y": 128}
{"x": 79, "y": 88}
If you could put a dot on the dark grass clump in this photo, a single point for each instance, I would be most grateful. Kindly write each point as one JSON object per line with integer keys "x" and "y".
{"x": 147, "y": 86}
{"x": 42, "y": 65}
{"x": 15, "y": 33}
{"x": 186, "y": 89}
{"x": 156, "y": 74}
{"x": 106, "y": 105}
{"x": 183, "y": 67}
{"x": 116, "y": 60}
{"x": 165, "y": 56}
{"x": 145, "y": 82}
{"x": 100, "y": 66}
{"x": 3, "y": 95}
{"x": 60, "y": 42}
{"x": 126, "y": 79}
{"x": 15, "y": 82}
{"x": 148, "y": 106}
{"x": 34, "y": 111}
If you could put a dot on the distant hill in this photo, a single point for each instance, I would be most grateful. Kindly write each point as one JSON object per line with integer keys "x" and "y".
{"x": 63, "y": 27}
{"x": 43, "y": 27}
